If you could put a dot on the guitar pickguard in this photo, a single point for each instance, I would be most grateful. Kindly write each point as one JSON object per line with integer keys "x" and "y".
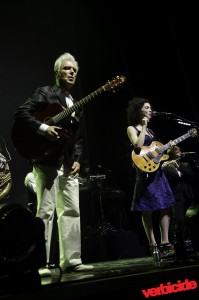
{"x": 149, "y": 160}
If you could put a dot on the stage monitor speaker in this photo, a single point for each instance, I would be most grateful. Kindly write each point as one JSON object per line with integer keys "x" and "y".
{"x": 22, "y": 248}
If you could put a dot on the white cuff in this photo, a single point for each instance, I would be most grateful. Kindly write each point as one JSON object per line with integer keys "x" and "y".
{"x": 42, "y": 129}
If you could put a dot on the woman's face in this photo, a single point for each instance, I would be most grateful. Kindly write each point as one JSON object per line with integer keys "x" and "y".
{"x": 146, "y": 110}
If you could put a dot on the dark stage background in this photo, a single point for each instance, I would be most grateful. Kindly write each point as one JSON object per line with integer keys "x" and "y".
{"x": 153, "y": 43}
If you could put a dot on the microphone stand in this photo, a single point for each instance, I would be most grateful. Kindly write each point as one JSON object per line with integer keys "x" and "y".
{"x": 196, "y": 162}
{"x": 187, "y": 122}
{"x": 182, "y": 121}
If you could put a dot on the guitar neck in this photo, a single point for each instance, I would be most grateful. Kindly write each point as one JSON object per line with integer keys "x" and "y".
{"x": 67, "y": 112}
{"x": 176, "y": 141}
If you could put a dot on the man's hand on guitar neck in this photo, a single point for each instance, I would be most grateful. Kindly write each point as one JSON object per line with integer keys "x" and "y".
{"x": 52, "y": 133}
{"x": 172, "y": 144}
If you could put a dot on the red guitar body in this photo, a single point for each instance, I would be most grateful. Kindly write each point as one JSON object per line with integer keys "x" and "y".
{"x": 31, "y": 145}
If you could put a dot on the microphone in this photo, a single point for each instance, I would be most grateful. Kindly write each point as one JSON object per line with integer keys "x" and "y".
{"x": 161, "y": 113}
{"x": 184, "y": 153}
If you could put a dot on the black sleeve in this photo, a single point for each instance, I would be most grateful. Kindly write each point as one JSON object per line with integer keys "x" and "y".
{"x": 24, "y": 113}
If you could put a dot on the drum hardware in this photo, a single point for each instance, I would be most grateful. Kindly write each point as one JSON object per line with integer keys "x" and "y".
{"x": 101, "y": 189}
{"x": 98, "y": 180}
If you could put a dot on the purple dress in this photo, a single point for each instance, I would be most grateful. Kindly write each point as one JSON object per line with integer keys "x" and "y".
{"x": 152, "y": 190}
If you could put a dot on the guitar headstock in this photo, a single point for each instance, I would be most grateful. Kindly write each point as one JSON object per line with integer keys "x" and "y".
{"x": 193, "y": 132}
{"x": 114, "y": 83}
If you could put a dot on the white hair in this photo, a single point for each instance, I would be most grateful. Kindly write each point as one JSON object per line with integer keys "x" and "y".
{"x": 65, "y": 56}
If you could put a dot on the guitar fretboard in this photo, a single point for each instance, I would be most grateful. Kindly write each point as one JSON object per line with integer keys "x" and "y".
{"x": 110, "y": 85}
{"x": 67, "y": 112}
{"x": 176, "y": 141}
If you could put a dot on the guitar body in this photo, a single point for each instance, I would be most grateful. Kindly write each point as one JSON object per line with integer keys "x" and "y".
{"x": 49, "y": 112}
{"x": 31, "y": 145}
{"x": 149, "y": 158}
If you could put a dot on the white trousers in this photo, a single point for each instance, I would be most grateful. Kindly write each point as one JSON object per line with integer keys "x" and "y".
{"x": 57, "y": 190}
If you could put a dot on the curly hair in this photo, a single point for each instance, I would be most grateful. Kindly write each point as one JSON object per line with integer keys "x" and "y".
{"x": 134, "y": 110}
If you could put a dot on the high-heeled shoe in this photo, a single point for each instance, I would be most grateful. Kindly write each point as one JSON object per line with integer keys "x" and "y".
{"x": 167, "y": 250}
{"x": 151, "y": 248}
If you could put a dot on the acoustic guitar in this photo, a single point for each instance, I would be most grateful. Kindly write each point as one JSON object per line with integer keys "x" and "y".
{"x": 33, "y": 146}
{"x": 149, "y": 158}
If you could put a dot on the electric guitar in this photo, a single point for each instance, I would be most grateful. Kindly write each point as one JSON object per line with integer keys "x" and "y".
{"x": 33, "y": 146}
{"x": 149, "y": 158}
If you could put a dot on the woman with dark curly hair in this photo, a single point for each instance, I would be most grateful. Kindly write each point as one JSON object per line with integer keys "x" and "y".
{"x": 152, "y": 191}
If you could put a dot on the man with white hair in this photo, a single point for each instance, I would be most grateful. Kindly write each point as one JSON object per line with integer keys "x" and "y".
{"x": 56, "y": 171}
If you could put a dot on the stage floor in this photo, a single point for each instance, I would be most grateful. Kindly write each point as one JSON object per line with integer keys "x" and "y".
{"x": 126, "y": 279}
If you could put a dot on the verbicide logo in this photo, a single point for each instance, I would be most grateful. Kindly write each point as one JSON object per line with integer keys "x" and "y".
{"x": 180, "y": 286}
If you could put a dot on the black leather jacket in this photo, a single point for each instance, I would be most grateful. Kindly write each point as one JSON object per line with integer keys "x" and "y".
{"x": 45, "y": 105}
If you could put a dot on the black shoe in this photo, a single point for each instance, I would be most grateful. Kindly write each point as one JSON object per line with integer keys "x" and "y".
{"x": 167, "y": 250}
{"x": 189, "y": 247}
{"x": 151, "y": 248}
